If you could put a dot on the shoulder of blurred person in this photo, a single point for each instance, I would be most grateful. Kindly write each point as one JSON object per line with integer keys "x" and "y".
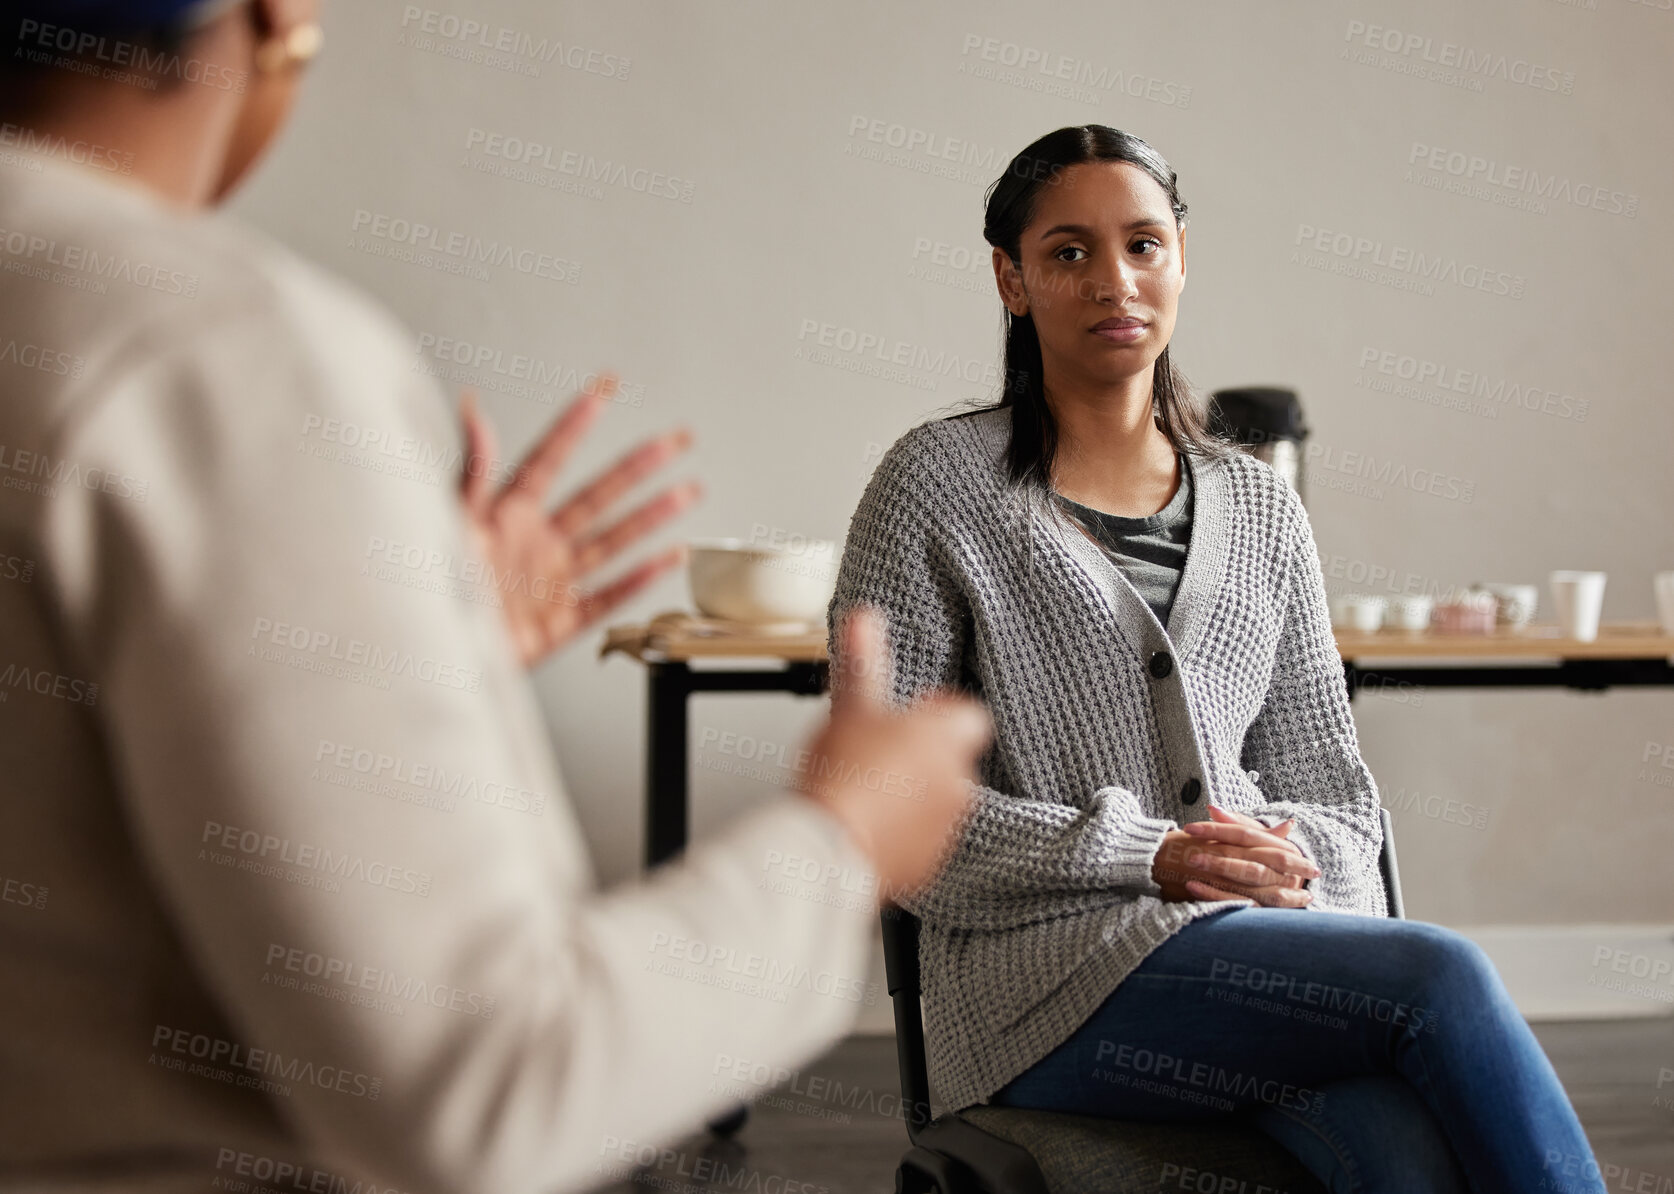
{"x": 100, "y": 280}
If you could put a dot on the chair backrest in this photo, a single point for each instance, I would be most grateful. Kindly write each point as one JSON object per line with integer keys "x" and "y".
{"x": 1391, "y": 874}
{"x": 900, "y": 941}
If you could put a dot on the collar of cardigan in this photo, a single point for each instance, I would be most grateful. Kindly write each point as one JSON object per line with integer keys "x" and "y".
{"x": 1206, "y": 554}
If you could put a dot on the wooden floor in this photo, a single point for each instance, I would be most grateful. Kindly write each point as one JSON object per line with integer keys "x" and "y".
{"x": 834, "y": 1128}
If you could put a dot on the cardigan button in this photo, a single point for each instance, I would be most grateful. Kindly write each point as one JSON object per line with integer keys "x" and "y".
{"x": 1161, "y": 664}
{"x": 1190, "y": 792}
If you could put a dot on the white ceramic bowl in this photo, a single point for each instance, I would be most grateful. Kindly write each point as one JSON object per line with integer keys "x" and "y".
{"x": 751, "y": 582}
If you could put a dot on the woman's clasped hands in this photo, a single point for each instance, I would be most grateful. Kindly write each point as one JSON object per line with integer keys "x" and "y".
{"x": 1233, "y": 857}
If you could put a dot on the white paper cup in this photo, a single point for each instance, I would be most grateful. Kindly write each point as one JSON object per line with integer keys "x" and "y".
{"x": 1357, "y": 611}
{"x": 1578, "y": 597}
{"x": 1663, "y": 582}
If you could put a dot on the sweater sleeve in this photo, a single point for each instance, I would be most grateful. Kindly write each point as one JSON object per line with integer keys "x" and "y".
{"x": 1015, "y": 852}
{"x": 1303, "y": 743}
{"x": 326, "y": 749}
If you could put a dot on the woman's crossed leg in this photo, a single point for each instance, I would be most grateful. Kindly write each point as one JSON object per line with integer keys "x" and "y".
{"x": 1303, "y": 1022}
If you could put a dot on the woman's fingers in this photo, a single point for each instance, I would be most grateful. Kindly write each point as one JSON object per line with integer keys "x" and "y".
{"x": 1283, "y": 897}
{"x": 1247, "y": 871}
{"x": 476, "y": 484}
{"x": 543, "y": 462}
{"x": 1271, "y": 864}
{"x": 636, "y": 524}
{"x": 1244, "y": 835}
{"x": 597, "y": 604}
{"x": 1227, "y": 831}
{"x": 587, "y": 506}
{"x": 1206, "y": 891}
{"x": 1227, "y": 816}
{"x": 1270, "y": 897}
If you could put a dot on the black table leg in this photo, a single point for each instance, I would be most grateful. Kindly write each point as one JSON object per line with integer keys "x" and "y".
{"x": 668, "y": 738}
{"x": 667, "y": 797}
{"x": 667, "y": 778}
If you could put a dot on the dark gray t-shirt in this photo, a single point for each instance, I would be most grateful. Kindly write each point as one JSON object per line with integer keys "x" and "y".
{"x": 1150, "y": 551}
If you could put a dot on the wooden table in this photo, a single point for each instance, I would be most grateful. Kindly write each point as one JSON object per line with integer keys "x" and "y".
{"x": 1624, "y": 654}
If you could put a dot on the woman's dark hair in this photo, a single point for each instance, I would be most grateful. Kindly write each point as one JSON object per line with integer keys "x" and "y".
{"x": 1011, "y": 203}
{"x": 25, "y": 64}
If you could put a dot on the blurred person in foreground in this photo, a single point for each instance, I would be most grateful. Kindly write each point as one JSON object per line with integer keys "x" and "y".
{"x": 293, "y": 891}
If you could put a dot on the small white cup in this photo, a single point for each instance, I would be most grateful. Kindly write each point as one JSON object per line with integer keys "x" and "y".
{"x": 1663, "y": 582}
{"x": 1578, "y": 597}
{"x": 1358, "y": 611}
{"x": 1514, "y": 604}
{"x": 1408, "y": 611}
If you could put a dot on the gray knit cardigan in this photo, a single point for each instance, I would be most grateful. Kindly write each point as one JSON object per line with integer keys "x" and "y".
{"x": 1110, "y": 729}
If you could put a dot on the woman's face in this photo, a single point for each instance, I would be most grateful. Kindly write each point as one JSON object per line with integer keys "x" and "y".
{"x": 1101, "y": 250}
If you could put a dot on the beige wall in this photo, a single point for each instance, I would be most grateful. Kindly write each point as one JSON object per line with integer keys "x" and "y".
{"x": 790, "y": 210}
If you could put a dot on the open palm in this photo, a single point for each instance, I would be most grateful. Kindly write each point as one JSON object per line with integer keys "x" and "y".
{"x": 541, "y": 560}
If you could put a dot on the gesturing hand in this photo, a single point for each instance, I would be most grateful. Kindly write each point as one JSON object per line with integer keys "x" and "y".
{"x": 898, "y": 779}
{"x": 1233, "y": 857}
{"x": 540, "y": 558}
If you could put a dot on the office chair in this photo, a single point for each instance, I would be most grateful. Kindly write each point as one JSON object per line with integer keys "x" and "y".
{"x": 1006, "y": 1150}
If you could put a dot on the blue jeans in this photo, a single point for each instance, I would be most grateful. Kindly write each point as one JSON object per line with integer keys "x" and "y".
{"x": 1386, "y": 1055}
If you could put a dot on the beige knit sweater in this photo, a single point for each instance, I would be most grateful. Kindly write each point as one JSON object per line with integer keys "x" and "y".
{"x": 291, "y": 892}
{"x": 1110, "y": 729}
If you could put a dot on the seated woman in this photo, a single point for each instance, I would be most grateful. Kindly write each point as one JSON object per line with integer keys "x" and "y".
{"x": 1130, "y": 926}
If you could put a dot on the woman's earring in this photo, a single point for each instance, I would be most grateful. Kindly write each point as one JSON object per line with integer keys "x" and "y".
{"x": 297, "y": 46}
